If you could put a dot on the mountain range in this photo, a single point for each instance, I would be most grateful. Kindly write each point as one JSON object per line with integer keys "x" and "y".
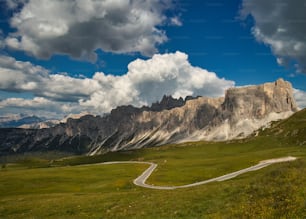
{"x": 16, "y": 120}
{"x": 34, "y": 122}
{"x": 238, "y": 114}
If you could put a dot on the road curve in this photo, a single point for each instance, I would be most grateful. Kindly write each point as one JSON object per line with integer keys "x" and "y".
{"x": 141, "y": 180}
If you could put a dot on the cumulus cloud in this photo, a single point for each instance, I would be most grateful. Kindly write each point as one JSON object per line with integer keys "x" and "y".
{"x": 18, "y": 76}
{"x": 145, "y": 82}
{"x": 148, "y": 80}
{"x": 281, "y": 25}
{"x": 300, "y": 97}
{"x": 38, "y": 106}
{"x": 79, "y": 27}
{"x": 36, "y": 103}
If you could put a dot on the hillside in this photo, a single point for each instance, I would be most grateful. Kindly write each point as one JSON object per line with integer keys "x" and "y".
{"x": 290, "y": 131}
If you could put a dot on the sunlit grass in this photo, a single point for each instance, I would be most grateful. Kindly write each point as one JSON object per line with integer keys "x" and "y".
{"x": 107, "y": 191}
{"x": 42, "y": 188}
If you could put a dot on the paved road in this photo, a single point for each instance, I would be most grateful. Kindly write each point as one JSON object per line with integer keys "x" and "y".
{"x": 141, "y": 180}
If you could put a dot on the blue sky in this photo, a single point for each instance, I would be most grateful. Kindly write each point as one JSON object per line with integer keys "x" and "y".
{"x": 62, "y": 57}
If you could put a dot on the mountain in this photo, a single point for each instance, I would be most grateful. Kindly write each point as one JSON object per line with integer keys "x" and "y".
{"x": 237, "y": 115}
{"x": 39, "y": 125}
{"x": 49, "y": 123}
{"x": 11, "y": 121}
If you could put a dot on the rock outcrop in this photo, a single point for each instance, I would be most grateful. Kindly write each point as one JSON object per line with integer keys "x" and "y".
{"x": 237, "y": 115}
{"x": 246, "y": 109}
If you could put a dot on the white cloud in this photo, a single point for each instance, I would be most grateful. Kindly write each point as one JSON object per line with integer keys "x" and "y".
{"x": 281, "y": 25}
{"x": 38, "y": 106}
{"x": 36, "y": 103}
{"x": 148, "y": 80}
{"x": 145, "y": 82}
{"x": 21, "y": 76}
{"x": 79, "y": 27}
{"x": 300, "y": 97}
{"x": 176, "y": 21}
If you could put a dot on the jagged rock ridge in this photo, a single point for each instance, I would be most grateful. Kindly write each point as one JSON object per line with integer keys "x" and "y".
{"x": 237, "y": 115}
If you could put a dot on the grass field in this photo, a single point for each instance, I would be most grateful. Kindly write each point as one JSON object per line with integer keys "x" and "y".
{"x": 41, "y": 188}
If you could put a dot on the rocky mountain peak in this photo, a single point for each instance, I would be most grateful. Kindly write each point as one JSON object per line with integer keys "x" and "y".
{"x": 238, "y": 114}
{"x": 167, "y": 103}
{"x": 258, "y": 101}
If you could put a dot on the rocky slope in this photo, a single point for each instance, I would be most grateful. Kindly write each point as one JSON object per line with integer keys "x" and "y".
{"x": 237, "y": 115}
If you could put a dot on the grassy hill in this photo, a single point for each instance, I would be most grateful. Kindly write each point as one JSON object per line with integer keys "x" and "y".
{"x": 42, "y": 188}
{"x": 291, "y": 131}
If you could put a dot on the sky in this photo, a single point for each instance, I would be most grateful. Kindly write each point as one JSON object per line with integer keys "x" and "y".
{"x": 67, "y": 57}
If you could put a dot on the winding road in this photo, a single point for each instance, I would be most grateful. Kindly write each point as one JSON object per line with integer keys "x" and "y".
{"x": 141, "y": 180}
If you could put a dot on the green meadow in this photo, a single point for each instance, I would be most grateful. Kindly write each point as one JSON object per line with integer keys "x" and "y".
{"x": 78, "y": 187}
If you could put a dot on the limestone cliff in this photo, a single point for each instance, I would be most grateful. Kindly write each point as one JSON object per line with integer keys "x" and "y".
{"x": 237, "y": 115}
{"x": 246, "y": 109}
